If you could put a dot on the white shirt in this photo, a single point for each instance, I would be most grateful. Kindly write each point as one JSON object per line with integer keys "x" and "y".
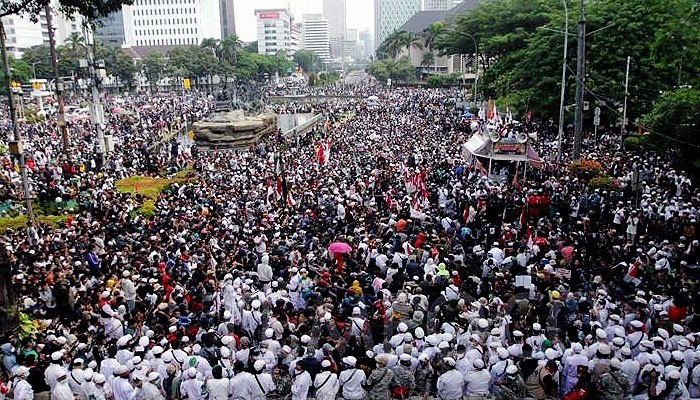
{"x": 261, "y": 385}
{"x": 326, "y": 389}
{"x": 218, "y": 388}
{"x": 23, "y": 390}
{"x": 301, "y": 385}
{"x": 121, "y": 389}
{"x": 192, "y": 389}
{"x": 477, "y": 382}
{"x": 450, "y": 384}
{"x": 52, "y": 372}
{"x": 351, "y": 380}
{"x": 242, "y": 386}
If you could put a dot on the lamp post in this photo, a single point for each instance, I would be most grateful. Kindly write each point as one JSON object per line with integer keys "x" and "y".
{"x": 560, "y": 136}
{"x": 476, "y": 62}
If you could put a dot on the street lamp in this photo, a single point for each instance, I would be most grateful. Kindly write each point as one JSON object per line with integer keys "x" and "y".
{"x": 34, "y": 68}
{"x": 560, "y": 135}
{"x": 476, "y": 62}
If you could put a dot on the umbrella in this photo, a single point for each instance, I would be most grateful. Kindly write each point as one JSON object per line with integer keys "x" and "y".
{"x": 339, "y": 248}
{"x": 372, "y": 98}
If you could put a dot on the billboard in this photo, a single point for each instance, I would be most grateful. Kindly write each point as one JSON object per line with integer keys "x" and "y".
{"x": 269, "y": 15}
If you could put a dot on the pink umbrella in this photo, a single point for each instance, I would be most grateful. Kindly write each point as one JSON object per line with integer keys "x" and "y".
{"x": 339, "y": 248}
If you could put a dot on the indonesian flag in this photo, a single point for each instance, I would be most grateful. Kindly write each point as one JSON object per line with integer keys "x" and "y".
{"x": 509, "y": 116}
{"x": 321, "y": 154}
{"x": 269, "y": 191}
{"x": 480, "y": 167}
{"x": 496, "y": 116}
{"x": 528, "y": 236}
{"x": 290, "y": 200}
{"x": 482, "y": 112}
{"x": 278, "y": 189}
{"x": 490, "y": 114}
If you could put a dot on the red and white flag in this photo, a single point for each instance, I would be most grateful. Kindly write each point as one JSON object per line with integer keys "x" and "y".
{"x": 278, "y": 189}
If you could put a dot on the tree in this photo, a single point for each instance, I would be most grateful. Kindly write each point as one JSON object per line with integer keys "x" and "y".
{"x": 307, "y": 60}
{"x": 522, "y": 62}
{"x": 395, "y": 43}
{"x": 120, "y": 65}
{"x": 399, "y": 70}
{"x": 674, "y": 125}
{"x": 230, "y": 46}
{"x": 92, "y": 10}
{"x": 428, "y": 59}
{"x": 39, "y": 57}
{"x": 153, "y": 68}
{"x": 251, "y": 47}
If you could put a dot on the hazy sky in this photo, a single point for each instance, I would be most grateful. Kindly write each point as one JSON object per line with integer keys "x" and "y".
{"x": 360, "y": 13}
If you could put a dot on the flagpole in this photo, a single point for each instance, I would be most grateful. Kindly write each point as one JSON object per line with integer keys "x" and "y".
{"x": 560, "y": 136}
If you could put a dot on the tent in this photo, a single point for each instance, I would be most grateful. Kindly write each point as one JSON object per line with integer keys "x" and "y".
{"x": 506, "y": 149}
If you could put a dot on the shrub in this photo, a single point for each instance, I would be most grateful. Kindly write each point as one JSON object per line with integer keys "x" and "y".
{"x": 602, "y": 182}
{"x": 585, "y": 168}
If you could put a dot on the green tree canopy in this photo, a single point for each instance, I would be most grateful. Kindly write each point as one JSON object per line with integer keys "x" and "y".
{"x": 307, "y": 60}
{"x": 399, "y": 70}
{"x": 674, "y": 124}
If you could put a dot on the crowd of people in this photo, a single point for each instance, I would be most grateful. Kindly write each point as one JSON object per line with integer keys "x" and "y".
{"x": 372, "y": 258}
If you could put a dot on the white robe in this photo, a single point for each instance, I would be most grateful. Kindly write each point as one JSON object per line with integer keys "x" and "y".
{"x": 329, "y": 389}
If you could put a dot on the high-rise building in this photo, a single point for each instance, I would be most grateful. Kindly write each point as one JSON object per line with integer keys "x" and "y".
{"x": 228, "y": 18}
{"x": 316, "y": 35}
{"x": 335, "y": 12}
{"x": 22, "y": 33}
{"x": 389, "y": 15}
{"x": 367, "y": 43}
{"x": 277, "y": 32}
{"x": 171, "y": 22}
{"x": 111, "y": 29}
{"x": 437, "y": 5}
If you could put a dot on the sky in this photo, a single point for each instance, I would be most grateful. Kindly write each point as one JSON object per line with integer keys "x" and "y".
{"x": 360, "y": 14}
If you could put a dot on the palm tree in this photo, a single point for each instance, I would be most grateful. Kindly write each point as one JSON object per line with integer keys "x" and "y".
{"x": 428, "y": 59}
{"x": 409, "y": 40}
{"x": 230, "y": 46}
{"x": 75, "y": 44}
{"x": 431, "y": 33}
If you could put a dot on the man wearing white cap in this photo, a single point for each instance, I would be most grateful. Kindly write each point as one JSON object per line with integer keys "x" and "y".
{"x": 630, "y": 367}
{"x": 263, "y": 381}
{"x": 22, "y": 389}
{"x": 301, "y": 382}
{"x": 121, "y": 387}
{"x": 191, "y": 386}
{"x": 450, "y": 385}
{"x": 129, "y": 291}
{"x": 326, "y": 383}
{"x": 535, "y": 341}
{"x": 635, "y": 338}
{"x": 476, "y": 383}
{"x": 61, "y": 390}
{"x": 351, "y": 379}
{"x": 55, "y": 369}
{"x": 75, "y": 377}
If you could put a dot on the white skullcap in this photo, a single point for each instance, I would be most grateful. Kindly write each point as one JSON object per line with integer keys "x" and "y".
{"x": 259, "y": 365}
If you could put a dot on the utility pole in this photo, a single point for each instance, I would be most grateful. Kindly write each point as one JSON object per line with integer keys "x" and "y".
{"x": 580, "y": 82}
{"x": 96, "y": 112}
{"x": 15, "y": 150}
{"x": 623, "y": 128}
{"x": 65, "y": 139}
{"x": 560, "y": 137}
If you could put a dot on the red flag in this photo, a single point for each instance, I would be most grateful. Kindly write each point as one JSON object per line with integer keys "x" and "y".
{"x": 290, "y": 200}
{"x": 321, "y": 154}
{"x": 278, "y": 190}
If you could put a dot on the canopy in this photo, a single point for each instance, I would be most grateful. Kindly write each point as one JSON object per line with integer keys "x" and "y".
{"x": 481, "y": 146}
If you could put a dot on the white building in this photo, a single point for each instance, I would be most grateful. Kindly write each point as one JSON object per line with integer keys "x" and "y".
{"x": 277, "y": 32}
{"x": 316, "y": 35}
{"x": 335, "y": 11}
{"x": 23, "y": 33}
{"x": 171, "y": 22}
{"x": 389, "y": 15}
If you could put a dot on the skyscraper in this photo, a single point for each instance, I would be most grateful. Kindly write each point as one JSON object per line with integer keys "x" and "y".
{"x": 389, "y": 15}
{"x": 171, "y": 22}
{"x": 315, "y": 35}
{"x": 335, "y": 12}
{"x": 228, "y": 18}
